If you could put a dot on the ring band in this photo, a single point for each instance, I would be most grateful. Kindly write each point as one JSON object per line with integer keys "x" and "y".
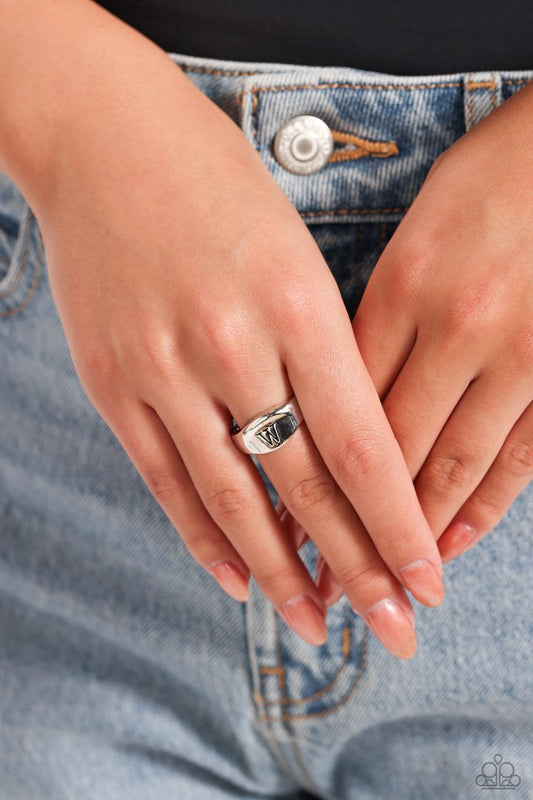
{"x": 270, "y": 429}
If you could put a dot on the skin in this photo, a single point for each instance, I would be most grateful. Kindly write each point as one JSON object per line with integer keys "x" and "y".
{"x": 445, "y": 329}
{"x": 164, "y": 232}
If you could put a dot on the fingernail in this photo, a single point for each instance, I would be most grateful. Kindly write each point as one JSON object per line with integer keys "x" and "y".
{"x": 457, "y": 538}
{"x": 330, "y": 590}
{"x": 302, "y": 614}
{"x": 424, "y": 581}
{"x": 231, "y": 579}
{"x": 388, "y": 621}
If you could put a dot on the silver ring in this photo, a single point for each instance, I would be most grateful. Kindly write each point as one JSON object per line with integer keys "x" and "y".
{"x": 269, "y": 430}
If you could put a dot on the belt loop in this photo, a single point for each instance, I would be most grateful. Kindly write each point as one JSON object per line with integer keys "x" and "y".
{"x": 482, "y": 94}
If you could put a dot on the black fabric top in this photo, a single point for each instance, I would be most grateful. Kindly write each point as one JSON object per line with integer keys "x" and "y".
{"x": 414, "y": 37}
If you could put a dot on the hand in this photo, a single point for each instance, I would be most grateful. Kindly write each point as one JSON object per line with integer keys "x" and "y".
{"x": 191, "y": 291}
{"x": 445, "y": 328}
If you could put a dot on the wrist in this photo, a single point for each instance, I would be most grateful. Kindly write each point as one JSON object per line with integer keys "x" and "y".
{"x": 62, "y": 66}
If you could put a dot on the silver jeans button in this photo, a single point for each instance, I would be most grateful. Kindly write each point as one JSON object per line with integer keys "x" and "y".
{"x": 303, "y": 144}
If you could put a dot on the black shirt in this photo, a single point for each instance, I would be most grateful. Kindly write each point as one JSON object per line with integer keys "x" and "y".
{"x": 409, "y": 38}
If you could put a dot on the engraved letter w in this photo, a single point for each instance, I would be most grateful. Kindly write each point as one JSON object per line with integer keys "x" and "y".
{"x": 270, "y": 435}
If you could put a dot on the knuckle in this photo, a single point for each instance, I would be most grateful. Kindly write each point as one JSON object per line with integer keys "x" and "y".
{"x": 229, "y": 505}
{"x": 156, "y": 354}
{"x": 409, "y": 263}
{"x": 458, "y": 325}
{"x": 474, "y": 317}
{"x": 517, "y": 457}
{"x": 97, "y": 368}
{"x": 362, "y": 459}
{"x": 224, "y": 334}
{"x": 200, "y": 543}
{"x": 295, "y": 307}
{"x": 163, "y": 486}
{"x": 275, "y": 581}
{"x": 354, "y": 578}
{"x": 444, "y": 474}
{"x": 486, "y": 505}
{"x": 308, "y": 493}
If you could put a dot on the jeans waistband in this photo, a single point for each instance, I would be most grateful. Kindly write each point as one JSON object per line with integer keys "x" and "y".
{"x": 387, "y": 129}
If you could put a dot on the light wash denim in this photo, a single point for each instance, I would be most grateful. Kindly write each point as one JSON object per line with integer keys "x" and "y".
{"x": 126, "y": 673}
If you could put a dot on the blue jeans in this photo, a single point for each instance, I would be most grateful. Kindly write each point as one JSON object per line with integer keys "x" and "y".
{"x": 126, "y": 673}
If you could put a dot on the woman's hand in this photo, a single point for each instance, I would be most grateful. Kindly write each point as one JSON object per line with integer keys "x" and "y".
{"x": 445, "y": 328}
{"x": 191, "y": 291}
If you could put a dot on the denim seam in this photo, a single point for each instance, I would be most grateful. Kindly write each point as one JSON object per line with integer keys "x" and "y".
{"x": 23, "y": 260}
{"x": 255, "y": 90}
{"x": 493, "y": 91}
{"x": 19, "y": 269}
{"x": 213, "y": 71}
{"x": 341, "y": 211}
{"x": 286, "y": 720}
{"x": 282, "y": 680}
{"x": 312, "y": 714}
{"x": 471, "y": 86}
{"x": 280, "y": 670}
{"x": 221, "y": 71}
{"x": 346, "y": 644}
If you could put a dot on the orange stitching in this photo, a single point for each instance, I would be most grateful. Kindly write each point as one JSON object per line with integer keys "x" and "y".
{"x": 346, "y": 155}
{"x": 256, "y": 89}
{"x": 334, "y": 212}
{"x": 271, "y": 670}
{"x": 286, "y": 719}
{"x": 260, "y": 699}
{"x": 362, "y": 665}
{"x": 285, "y": 700}
{"x": 386, "y": 87}
{"x": 263, "y": 701}
{"x": 365, "y": 147}
{"x": 470, "y": 85}
{"x": 346, "y": 641}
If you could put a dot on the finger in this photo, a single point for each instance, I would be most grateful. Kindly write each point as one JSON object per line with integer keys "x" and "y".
{"x": 384, "y": 328}
{"x": 152, "y": 451}
{"x": 295, "y": 531}
{"x": 423, "y": 396}
{"x": 329, "y": 519}
{"x": 308, "y": 491}
{"x": 347, "y": 423}
{"x": 467, "y": 446}
{"x": 330, "y": 588}
{"x": 508, "y": 476}
{"x": 299, "y": 474}
{"x": 233, "y": 493}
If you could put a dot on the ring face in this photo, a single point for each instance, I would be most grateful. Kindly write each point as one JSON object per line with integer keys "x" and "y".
{"x": 270, "y": 430}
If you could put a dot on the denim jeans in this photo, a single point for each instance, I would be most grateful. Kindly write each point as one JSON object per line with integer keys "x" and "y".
{"x": 126, "y": 673}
